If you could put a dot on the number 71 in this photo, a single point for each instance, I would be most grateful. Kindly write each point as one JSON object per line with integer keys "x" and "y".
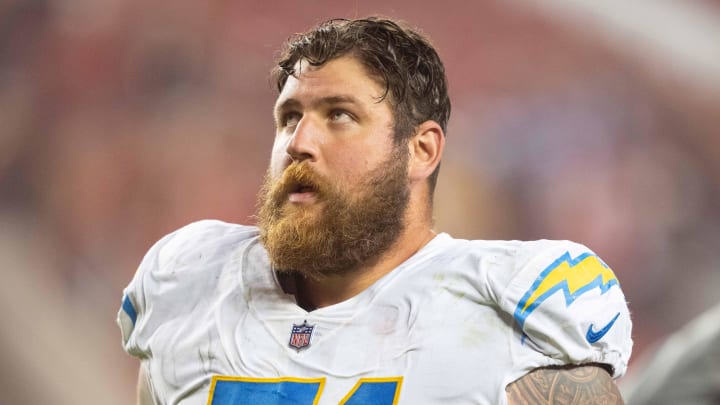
{"x": 298, "y": 391}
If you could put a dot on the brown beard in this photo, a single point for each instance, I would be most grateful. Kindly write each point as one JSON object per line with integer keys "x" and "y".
{"x": 338, "y": 233}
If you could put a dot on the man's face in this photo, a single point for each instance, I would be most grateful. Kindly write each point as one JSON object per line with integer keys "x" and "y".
{"x": 337, "y": 188}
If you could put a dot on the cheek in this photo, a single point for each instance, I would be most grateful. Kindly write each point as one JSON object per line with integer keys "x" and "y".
{"x": 348, "y": 168}
{"x": 352, "y": 173}
{"x": 278, "y": 158}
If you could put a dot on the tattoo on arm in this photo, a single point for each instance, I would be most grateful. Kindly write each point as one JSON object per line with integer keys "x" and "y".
{"x": 590, "y": 384}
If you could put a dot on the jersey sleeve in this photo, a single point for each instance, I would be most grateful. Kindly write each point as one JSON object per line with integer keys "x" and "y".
{"x": 172, "y": 277}
{"x": 132, "y": 316}
{"x": 568, "y": 306}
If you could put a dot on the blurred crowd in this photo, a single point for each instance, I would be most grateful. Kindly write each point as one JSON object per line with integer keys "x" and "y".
{"x": 121, "y": 120}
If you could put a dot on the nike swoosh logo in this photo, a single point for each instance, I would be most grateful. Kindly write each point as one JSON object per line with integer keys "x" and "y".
{"x": 593, "y": 336}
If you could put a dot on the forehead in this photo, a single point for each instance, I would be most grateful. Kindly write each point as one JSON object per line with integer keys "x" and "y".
{"x": 343, "y": 76}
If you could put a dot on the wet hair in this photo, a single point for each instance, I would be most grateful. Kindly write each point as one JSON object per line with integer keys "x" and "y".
{"x": 400, "y": 58}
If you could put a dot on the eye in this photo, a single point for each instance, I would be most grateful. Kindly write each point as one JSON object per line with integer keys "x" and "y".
{"x": 290, "y": 120}
{"x": 340, "y": 116}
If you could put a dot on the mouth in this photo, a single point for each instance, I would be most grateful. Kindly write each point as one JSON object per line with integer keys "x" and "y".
{"x": 302, "y": 193}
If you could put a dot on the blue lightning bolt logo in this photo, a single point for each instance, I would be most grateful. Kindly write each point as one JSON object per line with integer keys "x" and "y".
{"x": 573, "y": 276}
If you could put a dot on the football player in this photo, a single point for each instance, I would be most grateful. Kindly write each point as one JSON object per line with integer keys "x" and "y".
{"x": 343, "y": 293}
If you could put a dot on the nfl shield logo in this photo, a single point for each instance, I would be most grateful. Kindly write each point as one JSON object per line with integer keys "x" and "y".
{"x": 301, "y": 335}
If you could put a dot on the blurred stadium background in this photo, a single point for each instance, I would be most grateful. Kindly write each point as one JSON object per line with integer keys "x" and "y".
{"x": 121, "y": 120}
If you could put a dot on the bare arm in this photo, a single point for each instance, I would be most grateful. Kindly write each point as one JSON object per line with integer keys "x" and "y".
{"x": 143, "y": 389}
{"x": 565, "y": 385}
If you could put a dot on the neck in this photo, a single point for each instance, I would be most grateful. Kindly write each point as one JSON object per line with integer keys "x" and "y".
{"x": 312, "y": 294}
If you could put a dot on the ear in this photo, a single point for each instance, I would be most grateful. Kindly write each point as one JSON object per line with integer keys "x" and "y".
{"x": 426, "y": 148}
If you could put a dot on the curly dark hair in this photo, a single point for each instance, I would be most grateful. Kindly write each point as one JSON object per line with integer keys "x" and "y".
{"x": 402, "y": 59}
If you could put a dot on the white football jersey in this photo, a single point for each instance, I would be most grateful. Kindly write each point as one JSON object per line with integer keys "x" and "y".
{"x": 454, "y": 324}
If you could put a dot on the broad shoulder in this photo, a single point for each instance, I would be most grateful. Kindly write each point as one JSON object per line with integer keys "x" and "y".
{"x": 505, "y": 262}
{"x": 178, "y": 273}
{"x": 582, "y": 384}
{"x": 208, "y": 232}
{"x": 507, "y": 269}
{"x": 199, "y": 240}
{"x": 565, "y": 300}
{"x": 191, "y": 254}
{"x": 520, "y": 252}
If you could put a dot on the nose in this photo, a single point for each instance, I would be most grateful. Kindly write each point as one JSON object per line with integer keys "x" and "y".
{"x": 303, "y": 142}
